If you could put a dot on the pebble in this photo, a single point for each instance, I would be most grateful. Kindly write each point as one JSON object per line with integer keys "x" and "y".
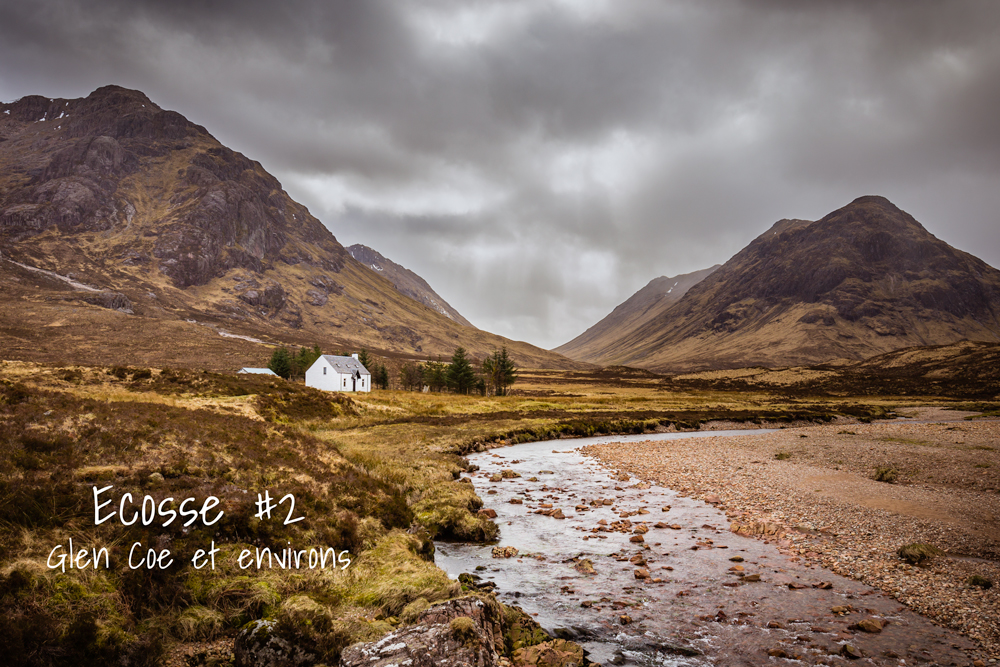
{"x": 853, "y": 539}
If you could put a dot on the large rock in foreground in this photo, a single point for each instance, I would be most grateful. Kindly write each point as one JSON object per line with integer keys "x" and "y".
{"x": 465, "y": 631}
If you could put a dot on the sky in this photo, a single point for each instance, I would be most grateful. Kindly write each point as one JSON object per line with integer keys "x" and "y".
{"x": 539, "y": 161}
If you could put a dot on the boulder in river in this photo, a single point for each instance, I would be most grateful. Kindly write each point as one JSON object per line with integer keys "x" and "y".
{"x": 555, "y": 653}
{"x": 871, "y": 625}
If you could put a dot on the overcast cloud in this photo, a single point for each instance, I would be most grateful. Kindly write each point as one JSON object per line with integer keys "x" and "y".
{"x": 537, "y": 162}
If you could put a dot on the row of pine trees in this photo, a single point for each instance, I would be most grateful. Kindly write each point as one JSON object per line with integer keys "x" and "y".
{"x": 493, "y": 377}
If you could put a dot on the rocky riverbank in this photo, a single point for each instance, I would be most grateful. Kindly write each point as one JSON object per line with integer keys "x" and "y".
{"x": 815, "y": 486}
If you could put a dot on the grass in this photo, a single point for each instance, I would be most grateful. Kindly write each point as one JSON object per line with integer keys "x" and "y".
{"x": 375, "y": 475}
{"x": 886, "y": 474}
{"x": 918, "y": 553}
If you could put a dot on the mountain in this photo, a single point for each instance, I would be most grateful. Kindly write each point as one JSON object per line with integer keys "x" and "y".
{"x": 603, "y": 340}
{"x": 131, "y": 235}
{"x": 864, "y": 280}
{"x": 405, "y": 281}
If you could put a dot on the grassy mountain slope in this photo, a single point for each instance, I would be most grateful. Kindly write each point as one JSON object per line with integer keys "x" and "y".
{"x": 601, "y": 342}
{"x": 167, "y": 225}
{"x": 406, "y": 281}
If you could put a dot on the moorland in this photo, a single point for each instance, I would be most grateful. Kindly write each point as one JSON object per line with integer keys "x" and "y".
{"x": 377, "y": 475}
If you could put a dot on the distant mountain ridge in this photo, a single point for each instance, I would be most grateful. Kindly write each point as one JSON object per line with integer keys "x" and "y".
{"x": 864, "y": 280}
{"x": 161, "y": 223}
{"x": 602, "y": 340}
{"x": 405, "y": 280}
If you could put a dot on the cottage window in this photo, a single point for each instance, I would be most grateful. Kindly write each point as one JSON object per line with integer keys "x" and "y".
{"x": 324, "y": 370}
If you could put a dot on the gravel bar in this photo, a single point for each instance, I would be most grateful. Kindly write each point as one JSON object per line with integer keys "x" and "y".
{"x": 817, "y": 483}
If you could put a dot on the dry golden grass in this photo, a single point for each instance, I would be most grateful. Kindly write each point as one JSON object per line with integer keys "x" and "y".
{"x": 363, "y": 468}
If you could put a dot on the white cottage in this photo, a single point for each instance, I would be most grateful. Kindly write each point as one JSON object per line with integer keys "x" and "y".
{"x": 333, "y": 373}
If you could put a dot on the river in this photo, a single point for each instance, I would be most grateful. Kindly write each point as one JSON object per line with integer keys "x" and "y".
{"x": 683, "y": 595}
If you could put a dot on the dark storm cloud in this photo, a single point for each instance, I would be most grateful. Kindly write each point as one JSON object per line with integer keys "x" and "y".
{"x": 537, "y": 162}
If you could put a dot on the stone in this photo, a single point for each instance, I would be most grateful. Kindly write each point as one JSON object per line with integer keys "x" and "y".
{"x": 840, "y": 610}
{"x": 258, "y": 645}
{"x": 640, "y": 530}
{"x": 636, "y": 539}
{"x": 465, "y": 630}
{"x": 495, "y": 477}
{"x": 584, "y": 566}
{"x": 751, "y": 578}
{"x": 516, "y": 501}
{"x": 774, "y": 625}
{"x": 641, "y": 573}
{"x": 521, "y": 630}
{"x": 554, "y": 653}
{"x": 823, "y": 585}
{"x": 504, "y": 552}
{"x": 488, "y": 513}
{"x": 736, "y": 559}
{"x": 778, "y": 653}
{"x": 712, "y": 499}
{"x": 624, "y": 619}
{"x": 637, "y": 560}
{"x": 871, "y": 625}
{"x": 507, "y": 473}
{"x": 851, "y": 652}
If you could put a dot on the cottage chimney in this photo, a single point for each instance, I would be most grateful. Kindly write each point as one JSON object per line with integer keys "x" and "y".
{"x": 355, "y": 355}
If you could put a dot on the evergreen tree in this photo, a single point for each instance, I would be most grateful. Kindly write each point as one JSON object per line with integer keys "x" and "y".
{"x": 281, "y": 362}
{"x": 304, "y": 359}
{"x": 365, "y": 360}
{"x": 460, "y": 376}
{"x": 506, "y": 372}
{"x": 380, "y": 376}
{"x": 489, "y": 375}
{"x": 499, "y": 372}
{"x": 410, "y": 377}
{"x": 435, "y": 375}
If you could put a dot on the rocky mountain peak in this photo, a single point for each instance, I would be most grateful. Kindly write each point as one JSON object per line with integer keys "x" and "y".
{"x": 405, "y": 280}
{"x": 864, "y": 279}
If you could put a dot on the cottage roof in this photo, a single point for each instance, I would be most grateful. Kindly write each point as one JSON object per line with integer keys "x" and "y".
{"x": 346, "y": 365}
{"x": 258, "y": 371}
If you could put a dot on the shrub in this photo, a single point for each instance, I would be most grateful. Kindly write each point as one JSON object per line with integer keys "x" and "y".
{"x": 413, "y": 610}
{"x": 463, "y": 629}
{"x": 782, "y": 456}
{"x": 917, "y": 553}
{"x": 885, "y": 474}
